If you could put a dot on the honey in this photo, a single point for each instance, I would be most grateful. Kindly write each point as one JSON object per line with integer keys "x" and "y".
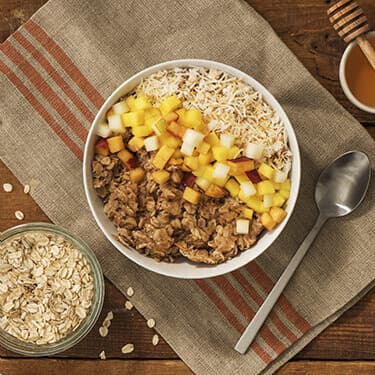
{"x": 360, "y": 76}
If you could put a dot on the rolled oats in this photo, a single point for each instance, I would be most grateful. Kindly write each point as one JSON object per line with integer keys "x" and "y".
{"x": 26, "y": 189}
{"x": 155, "y": 340}
{"x": 128, "y": 348}
{"x": 102, "y": 355}
{"x": 130, "y": 291}
{"x": 19, "y": 215}
{"x": 151, "y": 323}
{"x": 128, "y": 305}
{"x": 103, "y": 331}
{"x": 8, "y": 188}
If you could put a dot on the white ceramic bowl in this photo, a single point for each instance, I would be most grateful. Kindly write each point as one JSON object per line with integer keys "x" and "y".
{"x": 184, "y": 268}
{"x": 343, "y": 81}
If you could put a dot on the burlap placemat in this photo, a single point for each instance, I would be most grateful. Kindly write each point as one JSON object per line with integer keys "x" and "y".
{"x": 57, "y": 70}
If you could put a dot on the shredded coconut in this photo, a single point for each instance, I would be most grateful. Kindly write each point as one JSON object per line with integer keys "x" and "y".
{"x": 228, "y": 105}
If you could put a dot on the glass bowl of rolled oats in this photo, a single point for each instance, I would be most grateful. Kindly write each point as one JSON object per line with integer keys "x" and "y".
{"x": 51, "y": 289}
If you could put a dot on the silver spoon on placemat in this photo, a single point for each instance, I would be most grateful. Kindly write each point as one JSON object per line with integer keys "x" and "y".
{"x": 340, "y": 189}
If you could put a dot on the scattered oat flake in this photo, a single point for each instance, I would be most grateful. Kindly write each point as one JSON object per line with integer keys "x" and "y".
{"x": 130, "y": 291}
{"x": 19, "y": 215}
{"x": 26, "y": 189}
{"x": 155, "y": 340}
{"x": 151, "y": 323}
{"x": 128, "y": 305}
{"x": 103, "y": 331}
{"x": 102, "y": 355}
{"x": 8, "y": 187}
{"x": 128, "y": 348}
{"x": 106, "y": 323}
{"x": 109, "y": 316}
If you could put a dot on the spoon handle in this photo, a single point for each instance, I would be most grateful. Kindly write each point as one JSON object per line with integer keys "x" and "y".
{"x": 254, "y": 326}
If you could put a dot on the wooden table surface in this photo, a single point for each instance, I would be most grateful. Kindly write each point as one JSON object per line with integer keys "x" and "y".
{"x": 346, "y": 347}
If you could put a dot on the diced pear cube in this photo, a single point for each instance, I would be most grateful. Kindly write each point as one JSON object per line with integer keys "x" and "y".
{"x": 202, "y": 183}
{"x": 135, "y": 144}
{"x": 278, "y": 200}
{"x": 193, "y": 137}
{"x": 115, "y": 144}
{"x": 215, "y": 191}
{"x": 221, "y": 171}
{"x": 220, "y": 153}
{"x": 162, "y": 156}
{"x": 278, "y": 214}
{"x": 233, "y": 187}
{"x": 191, "y": 195}
{"x": 203, "y": 148}
{"x": 267, "y": 221}
{"x": 205, "y": 159}
{"x": 254, "y": 151}
{"x": 265, "y": 187}
{"x": 248, "y": 213}
{"x": 191, "y": 162}
{"x": 120, "y": 107}
{"x": 285, "y": 193}
{"x": 266, "y": 171}
{"x": 142, "y": 131}
{"x": 140, "y": 103}
{"x": 151, "y": 143}
{"x": 115, "y": 124}
{"x": 137, "y": 174}
{"x": 132, "y": 119}
{"x": 280, "y": 176}
{"x": 242, "y": 226}
{"x": 268, "y": 200}
{"x": 161, "y": 177}
{"x": 103, "y": 130}
{"x": 187, "y": 148}
{"x": 170, "y": 104}
{"x": 285, "y": 185}
{"x": 212, "y": 139}
{"x": 248, "y": 189}
{"x": 227, "y": 140}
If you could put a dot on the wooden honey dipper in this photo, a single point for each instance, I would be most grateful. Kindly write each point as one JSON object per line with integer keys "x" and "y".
{"x": 350, "y": 22}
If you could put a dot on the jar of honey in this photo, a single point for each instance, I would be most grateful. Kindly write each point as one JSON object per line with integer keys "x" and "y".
{"x": 357, "y": 77}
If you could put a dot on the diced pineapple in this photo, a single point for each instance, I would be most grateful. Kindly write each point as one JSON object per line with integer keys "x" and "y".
{"x": 202, "y": 128}
{"x": 180, "y": 111}
{"x": 233, "y": 152}
{"x": 140, "y": 103}
{"x": 170, "y": 104}
{"x": 151, "y": 143}
{"x": 242, "y": 178}
{"x": 278, "y": 200}
{"x": 177, "y": 154}
{"x": 233, "y": 187}
{"x": 191, "y": 195}
{"x": 221, "y": 181}
{"x": 220, "y": 153}
{"x": 208, "y": 172}
{"x": 212, "y": 139}
{"x": 159, "y": 127}
{"x": 268, "y": 200}
{"x": 125, "y": 156}
{"x": 176, "y": 129}
{"x": 176, "y": 161}
{"x": 266, "y": 171}
{"x": 169, "y": 140}
{"x": 142, "y": 131}
{"x": 205, "y": 159}
{"x": 120, "y": 107}
{"x": 202, "y": 183}
{"x": 242, "y": 226}
{"x": 162, "y": 156}
{"x": 137, "y": 174}
{"x": 277, "y": 185}
{"x": 151, "y": 117}
{"x": 101, "y": 147}
{"x": 203, "y": 148}
{"x": 200, "y": 170}
{"x": 285, "y": 185}
{"x": 267, "y": 221}
{"x": 115, "y": 144}
{"x": 191, "y": 162}
{"x": 265, "y": 187}
{"x": 135, "y": 144}
{"x": 215, "y": 191}
{"x": 130, "y": 102}
{"x": 285, "y": 193}
{"x": 278, "y": 214}
{"x": 161, "y": 177}
{"x": 192, "y": 118}
{"x": 248, "y": 213}
{"x": 115, "y": 124}
{"x": 256, "y": 204}
{"x": 131, "y": 119}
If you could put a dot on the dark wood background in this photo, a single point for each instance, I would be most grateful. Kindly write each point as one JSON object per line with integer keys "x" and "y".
{"x": 346, "y": 347}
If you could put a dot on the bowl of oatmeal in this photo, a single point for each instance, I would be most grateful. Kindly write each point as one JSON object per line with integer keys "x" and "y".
{"x": 191, "y": 168}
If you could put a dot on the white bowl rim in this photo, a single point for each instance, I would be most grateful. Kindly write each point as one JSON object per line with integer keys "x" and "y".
{"x": 196, "y": 271}
{"x": 343, "y": 81}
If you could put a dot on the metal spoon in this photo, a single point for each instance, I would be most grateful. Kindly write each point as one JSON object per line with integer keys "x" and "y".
{"x": 341, "y": 188}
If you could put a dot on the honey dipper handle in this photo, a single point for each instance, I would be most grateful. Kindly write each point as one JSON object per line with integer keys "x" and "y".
{"x": 367, "y": 49}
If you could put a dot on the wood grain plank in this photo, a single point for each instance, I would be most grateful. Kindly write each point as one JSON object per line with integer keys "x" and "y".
{"x": 327, "y": 367}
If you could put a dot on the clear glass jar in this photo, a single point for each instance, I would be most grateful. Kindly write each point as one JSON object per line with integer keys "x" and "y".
{"x": 12, "y": 343}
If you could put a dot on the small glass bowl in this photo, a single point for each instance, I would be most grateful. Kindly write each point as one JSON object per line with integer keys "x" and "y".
{"x": 29, "y": 349}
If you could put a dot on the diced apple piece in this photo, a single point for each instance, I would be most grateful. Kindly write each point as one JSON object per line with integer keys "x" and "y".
{"x": 103, "y": 130}
{"x": 192, "y": 118}
{"x": 191, "y": 162}
{"x": 220, "y": 153}
{"x": 132, "y": 163}
{"x": 215, "y": 191}
{"x": 284, "y": 193}
{"x": 205, "y": 159}
{"x": 109, "y": 113}
{"x": 233, "y": 152}
{"x": 130, "y": 102}
{"x": 242, "y": 178}
{"x": 202, "y": 183}
{"x": 176, "y": 129}
{"x": 254, "y": 176}
{"x": 137, "y": 174}
{"x": 242, "y": 226}
{"x": 162, "y": 156}
{"x": 170, "y": 104}
{"x": 208, "y": 172}
{"x": 233, "y": 187}
{"x": 187, "y": 148}
{"x": 135, "y": 144}
{"x": 151, "y": 143}
{"x": 171, "y": 116}
{"x": 285, "y": 185}
{"x": 101, "y": 147}
{"x": 115, "y": 144}
{"x": 161, "y": 177}
{"x": 265, "y": 187}
{"x": 220, "y": 171}
{"x": 142, "y": 131}
{"x": 120, "y": 107}
{"x": 256, "y": 204}
{"x": 240, "y": 165}
{"x": 188, "y": 180}
{"x": 115, "y": 124}
{"x": 266, "y": 171}
{"x": 278, "y": 200}
{"x": 140, "y": 103}
{"x": 267, "y": 221}
{"x": 280, "y": 177}
{"x": 193, "y": 137}
{"x": 191, "y": 195}
{"x": 203, "y": 148}
{"x": 132, "y": 119}
{"x": 212, "y": 139}
{"x": 248, "y": 213}
{"x": 248, "y": 189}
{"x": 278, "y": 214}
{"x": 268, "y": 200}
{"x": 227, "y": 140}
{"x": 254, "y": 151}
